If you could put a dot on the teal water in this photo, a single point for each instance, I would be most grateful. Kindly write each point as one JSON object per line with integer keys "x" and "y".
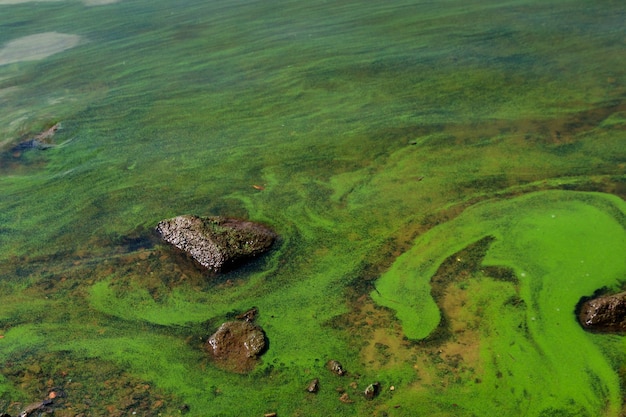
{"x": 385, "y": 140}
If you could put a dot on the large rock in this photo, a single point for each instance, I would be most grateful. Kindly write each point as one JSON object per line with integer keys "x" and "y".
{"x": 216, "y": 242}
{"x": 604, "y": 314}
{"x": 236, "y": 345}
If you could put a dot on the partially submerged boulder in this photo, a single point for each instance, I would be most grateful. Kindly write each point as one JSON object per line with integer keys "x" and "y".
{"x": 604, "y": 314}
{"x": 236, "y": 345}
{"x": 216, "y": 243}
{"x": 42, "y": 141}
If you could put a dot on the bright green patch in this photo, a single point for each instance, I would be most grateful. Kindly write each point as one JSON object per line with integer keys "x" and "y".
{"x": 562, "y": 246}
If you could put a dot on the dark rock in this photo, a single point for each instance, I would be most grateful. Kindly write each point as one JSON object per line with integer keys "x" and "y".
{"x": 41, "y": 141}
{"x": 32, "y": 144}
{"x": 249, "y": 315}
{"x": 35, "y": 408}
{"x": 236, "y": 345}
{"x": 335, "y": 367}
{"x": 216, "y": 242}
{"x": 372, "y": 390}
{"x": 604, "y": 314}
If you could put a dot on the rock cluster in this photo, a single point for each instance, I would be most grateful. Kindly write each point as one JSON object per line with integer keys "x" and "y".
{"x": 216, "y": 243}
{"x": 604, "y": 314}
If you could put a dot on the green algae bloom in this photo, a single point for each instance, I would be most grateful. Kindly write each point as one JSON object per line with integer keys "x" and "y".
{"x": 446, "y": 180}
{"x": 562, "y": 246}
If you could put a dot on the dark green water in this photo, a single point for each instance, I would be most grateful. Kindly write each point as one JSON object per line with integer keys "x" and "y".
{"x": 447, "y": 179}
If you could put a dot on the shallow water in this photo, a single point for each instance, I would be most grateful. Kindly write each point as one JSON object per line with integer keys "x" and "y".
{"x": 447, "y": 180}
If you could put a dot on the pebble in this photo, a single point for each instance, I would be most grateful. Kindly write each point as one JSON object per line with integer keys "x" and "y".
{"x": 313, "y": 386}
{"x": 336, "y": 367}
{"x": 372, "y": 390}
{"x": 345, "y": 398}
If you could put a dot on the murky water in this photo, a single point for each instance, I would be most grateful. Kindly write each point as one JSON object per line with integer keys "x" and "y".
{"x": 447, "y": 179}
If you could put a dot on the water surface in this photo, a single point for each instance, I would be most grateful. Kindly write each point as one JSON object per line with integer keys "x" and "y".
{"x": 447, "y": 179}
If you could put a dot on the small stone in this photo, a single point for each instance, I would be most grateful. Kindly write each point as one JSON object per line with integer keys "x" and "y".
{"x": 345, "y": 398}
{"x": 335, "y": 367}
{"x": 372, "y": 390}
{"x": 313, "y": 386}
{"x": 249, "y": 315}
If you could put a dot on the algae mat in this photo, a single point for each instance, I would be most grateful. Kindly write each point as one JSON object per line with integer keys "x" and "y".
{"x": 535, "y": 359}
{"x": 362, "y": 124}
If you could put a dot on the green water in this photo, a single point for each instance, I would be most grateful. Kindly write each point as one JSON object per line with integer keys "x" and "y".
{"x": 390, "y": 138}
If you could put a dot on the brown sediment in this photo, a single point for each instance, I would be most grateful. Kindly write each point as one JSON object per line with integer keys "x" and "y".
{"x": 117, "y": 392}
{"x": 464, "y": 343}
{"x": 437, "y": 363}
{"x": 453, "y": 351}
{"x": 553, "y": 131}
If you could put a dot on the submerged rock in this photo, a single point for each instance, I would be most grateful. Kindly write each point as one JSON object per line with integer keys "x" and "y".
{"x": 604, "y": 314}
{"x": 236, "y": 345}
{"x": 36, "y": 408}
{"x": 40, "y": 142}
{"x": 216, "y": 242}
{"x": 32, "y": 144}
{"x": 249, "y": 315}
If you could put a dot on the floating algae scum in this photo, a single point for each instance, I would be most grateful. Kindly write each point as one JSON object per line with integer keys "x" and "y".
{"x": 561, "y": 246}
{"x": 447, "y": 183}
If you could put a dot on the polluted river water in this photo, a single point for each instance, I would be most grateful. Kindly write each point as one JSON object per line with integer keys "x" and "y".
{"x": 447, "y": 181}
